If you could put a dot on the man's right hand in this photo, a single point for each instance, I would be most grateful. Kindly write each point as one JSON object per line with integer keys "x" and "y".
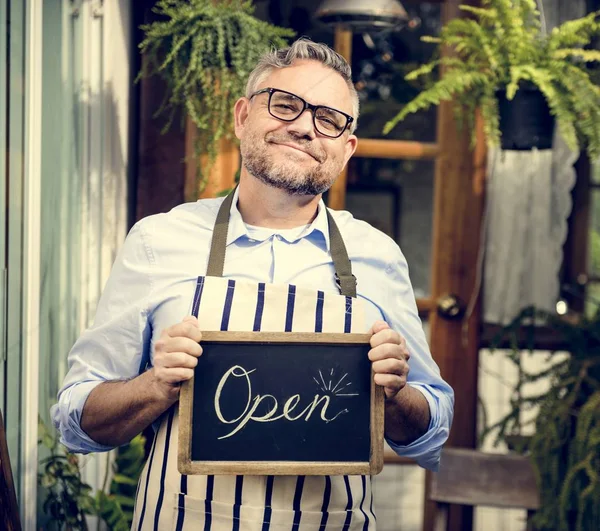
{"x": 116, "y": 411}
{"x": 175, "y": 355}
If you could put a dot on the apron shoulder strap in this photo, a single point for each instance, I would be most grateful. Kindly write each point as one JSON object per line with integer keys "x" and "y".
{"x": 216, "y": 258}
{"x": 344, "y": 278}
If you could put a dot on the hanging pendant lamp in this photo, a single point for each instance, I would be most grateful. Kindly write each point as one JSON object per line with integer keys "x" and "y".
{"x": 362, "y": 15}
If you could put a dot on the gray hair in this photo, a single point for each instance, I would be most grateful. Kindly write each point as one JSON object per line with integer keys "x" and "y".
{"x": 304, "y": 49}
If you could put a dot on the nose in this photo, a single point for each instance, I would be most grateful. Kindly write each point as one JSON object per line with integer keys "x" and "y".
{"x": 303, "y": 126}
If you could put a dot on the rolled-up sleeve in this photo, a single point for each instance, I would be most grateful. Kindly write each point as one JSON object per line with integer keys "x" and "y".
{"x": 115, "y": 347}
{"x": 400, "y": 312}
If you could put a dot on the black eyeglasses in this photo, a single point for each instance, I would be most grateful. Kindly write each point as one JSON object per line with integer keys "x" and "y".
{"x": 288, "y": 107}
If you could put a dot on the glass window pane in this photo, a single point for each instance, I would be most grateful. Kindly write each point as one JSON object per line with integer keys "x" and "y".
{"x": 61, "y": 226}
{"x": 380, "y": 62}
{"x": 12, "y": 97}
{"x": 61, "y": 191}
{"x": 396, "y": 196}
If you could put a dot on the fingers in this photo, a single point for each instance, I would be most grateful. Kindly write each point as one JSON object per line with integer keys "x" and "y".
{"x": 385, "y": 335}
{"x": 176, "y": 355}
{"x": 392, "y": 374}
{"x": 173, "y": 360}
{"x": 178, "y": 344}
{"x": 176, "y": 375}
{"x": 389, "y": 358}
{"x": 189, "y": 328}
{"x": 389, "y": 350}
{"x": 389, "y": 380}
{"x": 391, "y": 383}
{"x": 172, "y": 368}
{"x": 378, "y": 326}
{"x": 391, "y": 366}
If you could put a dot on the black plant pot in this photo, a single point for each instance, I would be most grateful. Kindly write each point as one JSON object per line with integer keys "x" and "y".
{"x": 525, "y": 121}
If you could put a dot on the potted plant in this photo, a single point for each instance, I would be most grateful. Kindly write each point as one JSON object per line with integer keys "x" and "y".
{"x": 68, "y": 499}
{"x": 504, "y": 64}
{"x": 205, "y": 50}
{"x": 564, "y": 444}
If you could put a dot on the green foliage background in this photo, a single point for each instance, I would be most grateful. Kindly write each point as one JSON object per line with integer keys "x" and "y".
{"x": 501, "y": 47}
{"x": 565, "y": 447}
{"x": 205, "y": 50}
{"x": 68, "y": 499}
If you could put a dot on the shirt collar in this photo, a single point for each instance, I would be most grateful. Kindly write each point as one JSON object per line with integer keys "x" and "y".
{"x": 237, "y": 227}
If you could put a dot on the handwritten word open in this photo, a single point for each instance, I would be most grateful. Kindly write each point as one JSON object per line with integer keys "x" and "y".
{"x": 253, "y": 403}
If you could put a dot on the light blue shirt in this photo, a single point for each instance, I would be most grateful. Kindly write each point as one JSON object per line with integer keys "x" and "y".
{"x": 153, "y": 279}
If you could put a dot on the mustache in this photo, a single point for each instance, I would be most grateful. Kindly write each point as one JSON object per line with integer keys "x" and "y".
{"x": 303, "y": 144}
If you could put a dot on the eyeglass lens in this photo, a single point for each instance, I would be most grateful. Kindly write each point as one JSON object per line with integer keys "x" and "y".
{"x": 328, "y": 122}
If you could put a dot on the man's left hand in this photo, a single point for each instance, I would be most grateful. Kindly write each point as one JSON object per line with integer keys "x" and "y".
{"x": 389, "y": 358}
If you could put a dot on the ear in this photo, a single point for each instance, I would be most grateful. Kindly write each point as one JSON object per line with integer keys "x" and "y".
{"x": 240, "y": 115}
{"x": 350, "y": 147}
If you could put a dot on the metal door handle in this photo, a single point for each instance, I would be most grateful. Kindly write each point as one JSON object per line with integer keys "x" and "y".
{"x": 451, "y": 307}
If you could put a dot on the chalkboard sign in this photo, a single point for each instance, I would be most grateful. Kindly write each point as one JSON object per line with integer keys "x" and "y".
{"x": 281, "y": 404}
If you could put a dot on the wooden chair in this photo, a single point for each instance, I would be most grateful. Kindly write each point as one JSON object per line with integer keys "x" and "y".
{"x": 471, "y": 477}
{"x": 9, "y": 511}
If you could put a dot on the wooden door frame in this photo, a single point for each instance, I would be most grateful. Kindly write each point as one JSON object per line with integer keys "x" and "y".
{"x": 458, "y": 207}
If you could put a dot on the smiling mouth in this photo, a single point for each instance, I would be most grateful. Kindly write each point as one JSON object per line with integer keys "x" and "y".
{"x": 289, "y": 146}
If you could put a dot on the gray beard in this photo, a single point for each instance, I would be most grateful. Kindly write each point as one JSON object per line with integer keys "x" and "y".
{"x": 258, "y": 165}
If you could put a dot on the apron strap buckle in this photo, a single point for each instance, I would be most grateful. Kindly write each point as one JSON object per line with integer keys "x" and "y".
{"x": 346, "y": 284}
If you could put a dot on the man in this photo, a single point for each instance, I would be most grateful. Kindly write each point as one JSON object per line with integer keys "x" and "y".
{"x": 168, "y": 284}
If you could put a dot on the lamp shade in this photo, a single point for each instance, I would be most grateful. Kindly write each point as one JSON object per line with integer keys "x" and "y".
{"x": 362, "y": 14}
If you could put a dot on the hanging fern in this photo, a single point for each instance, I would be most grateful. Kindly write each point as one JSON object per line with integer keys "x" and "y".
{"x": 565, "y": 447}
{"x": 205, "y": 50}
{"x": 503, "y": 47}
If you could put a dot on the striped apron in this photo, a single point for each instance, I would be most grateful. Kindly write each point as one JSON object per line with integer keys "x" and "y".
{"x": 168, "y": 500}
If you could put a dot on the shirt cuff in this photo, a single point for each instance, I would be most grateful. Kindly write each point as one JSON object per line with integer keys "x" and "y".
{"x": 426, "y": 450}
{"x": 66, "y": 416}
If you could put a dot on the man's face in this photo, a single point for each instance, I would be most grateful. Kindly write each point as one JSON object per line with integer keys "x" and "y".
{"x": 293, "y": 156}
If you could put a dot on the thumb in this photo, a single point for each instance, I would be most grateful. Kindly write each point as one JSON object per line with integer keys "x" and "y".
{"x": 378, "y": 326}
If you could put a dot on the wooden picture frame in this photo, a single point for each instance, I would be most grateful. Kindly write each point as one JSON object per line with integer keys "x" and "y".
{"x": 371, "y": 466}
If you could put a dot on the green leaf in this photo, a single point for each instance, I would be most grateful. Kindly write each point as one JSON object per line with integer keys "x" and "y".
{"x": 86, "y": 504}
{"x": 120, "y": 478}
{"x": 52, "y": 460}
{"x": 516, "y": 76}
{"x": 48, "y": 481}
{"x": 112, "y": 513}
{"x": 588, "y": 56}
{"x": 44, "y": 435}
{"x": 204, "y": 52}
{"x": 480, "y": 12}
{"x": 124, "y": 501}
{"x": 453, "y": 84}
